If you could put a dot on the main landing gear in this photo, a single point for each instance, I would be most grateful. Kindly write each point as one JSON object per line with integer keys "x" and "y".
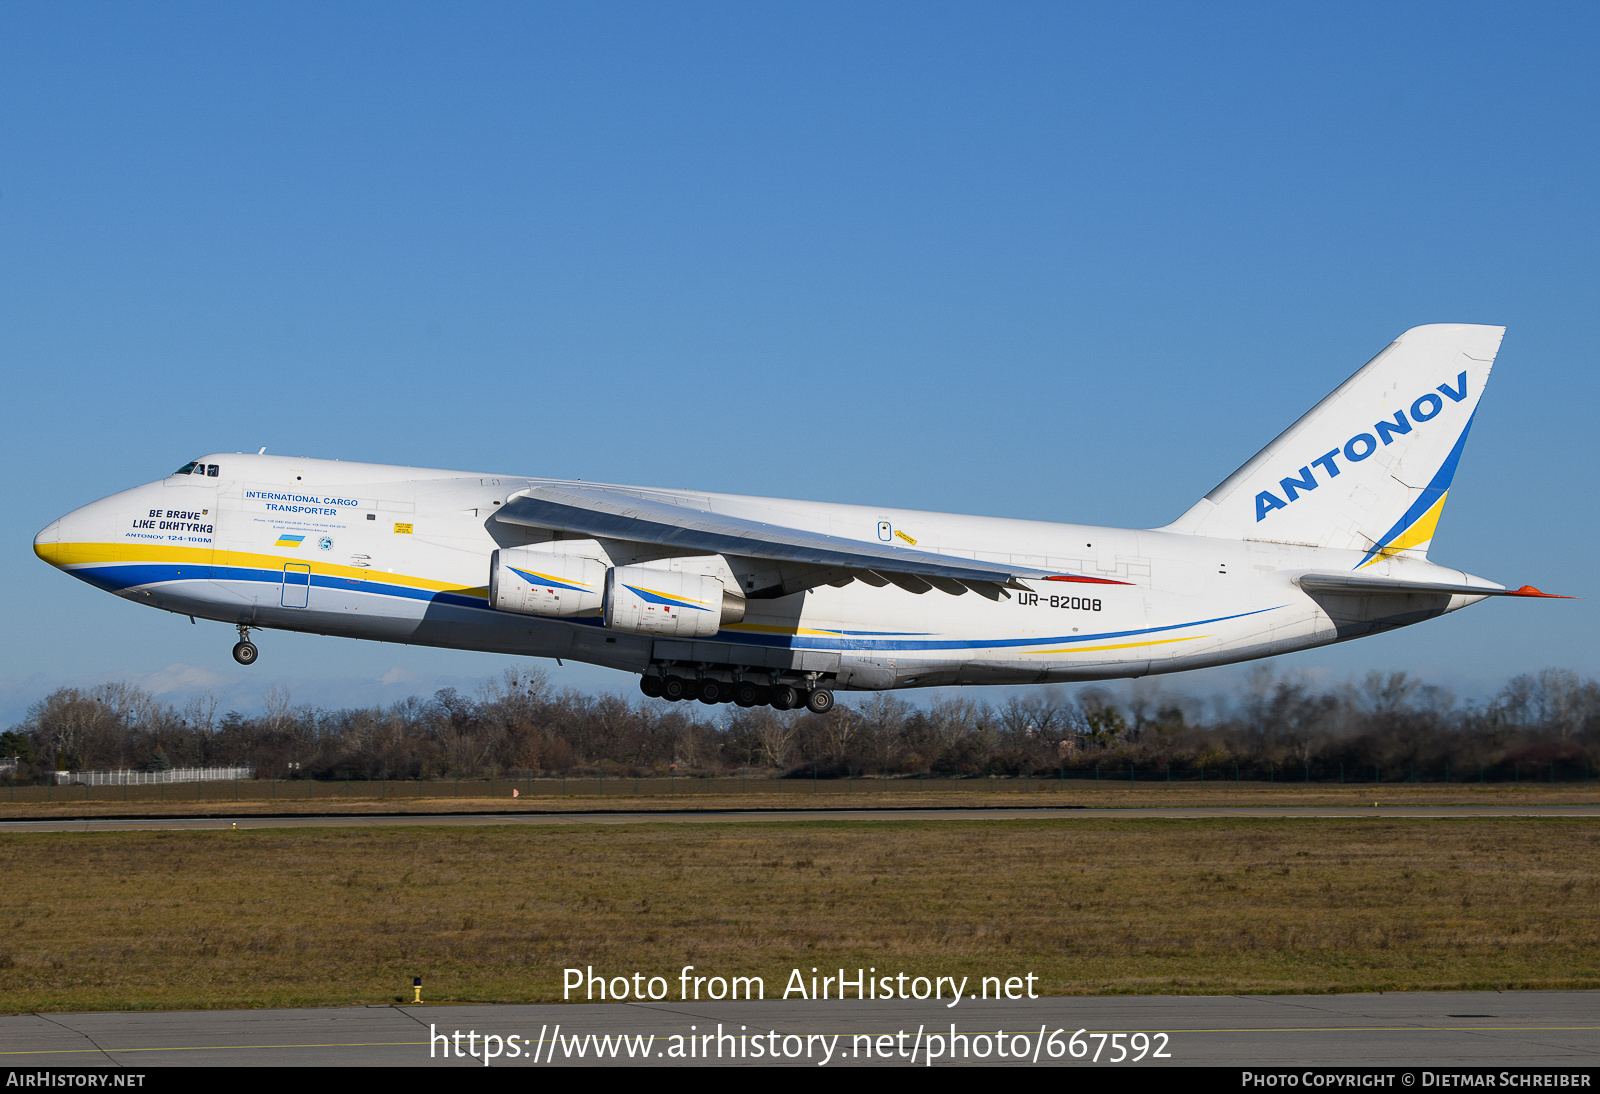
{"x": 745, "y": 693}
{"x": 245, "y": 651}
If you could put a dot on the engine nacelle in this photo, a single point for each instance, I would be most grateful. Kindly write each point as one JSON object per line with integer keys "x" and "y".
{"x": 668, "y": 602}
{"x": 540, "y": 583}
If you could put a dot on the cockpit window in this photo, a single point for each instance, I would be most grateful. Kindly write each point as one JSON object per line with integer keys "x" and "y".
{"x": 211, "y": 470}
{"x": 187, "y": 469}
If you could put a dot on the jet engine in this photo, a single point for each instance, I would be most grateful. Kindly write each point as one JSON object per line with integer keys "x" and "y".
{"x": 668, "y": 602}
{"x": 540, "y": 583}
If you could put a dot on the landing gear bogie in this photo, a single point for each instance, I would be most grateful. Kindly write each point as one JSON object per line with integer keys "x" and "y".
{"x": 713, "y": 688}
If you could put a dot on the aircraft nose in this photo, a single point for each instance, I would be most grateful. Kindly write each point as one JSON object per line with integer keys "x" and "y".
{"x": 61, "y": 542}
{"x": 48, "y": 539}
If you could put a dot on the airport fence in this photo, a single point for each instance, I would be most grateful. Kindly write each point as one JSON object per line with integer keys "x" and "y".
{"x": 151, "y": 778}
{"x": 1076, "y": 781}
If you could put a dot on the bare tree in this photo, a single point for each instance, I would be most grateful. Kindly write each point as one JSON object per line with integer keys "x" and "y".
{"x": 776, "y": 734}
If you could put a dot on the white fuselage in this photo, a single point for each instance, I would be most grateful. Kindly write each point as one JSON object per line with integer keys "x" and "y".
{"x": 402, "y": 555}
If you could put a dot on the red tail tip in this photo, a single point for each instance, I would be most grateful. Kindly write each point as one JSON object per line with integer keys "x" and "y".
{"x": 1529, "y": 590}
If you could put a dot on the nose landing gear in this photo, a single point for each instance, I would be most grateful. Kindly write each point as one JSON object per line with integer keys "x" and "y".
{"x": 245, "y": 651}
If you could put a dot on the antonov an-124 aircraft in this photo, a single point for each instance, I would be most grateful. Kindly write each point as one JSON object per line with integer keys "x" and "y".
{"x": 1321, "y": 537}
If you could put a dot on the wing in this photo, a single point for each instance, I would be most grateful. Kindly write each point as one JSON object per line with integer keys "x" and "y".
{"x": 610, "y": 514}
{"x": 1362, "y": 585}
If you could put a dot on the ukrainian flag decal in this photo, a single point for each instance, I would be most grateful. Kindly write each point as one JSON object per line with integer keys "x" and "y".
{"x": 286, "y": 540}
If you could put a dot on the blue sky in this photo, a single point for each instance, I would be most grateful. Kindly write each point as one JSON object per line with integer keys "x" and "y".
{"x": 1053, "y": 261}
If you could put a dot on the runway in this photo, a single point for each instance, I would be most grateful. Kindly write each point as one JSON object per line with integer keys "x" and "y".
{"x": 224, "y": 821}
{"x": 1405, "y": 1030}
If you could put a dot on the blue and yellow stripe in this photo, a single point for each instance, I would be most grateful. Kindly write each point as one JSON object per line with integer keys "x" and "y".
{"x": 116, "y": 567}
{"x": 654, "y": 596}
{"x": 1419, "y": 521}
{"x": 533, "y": 577}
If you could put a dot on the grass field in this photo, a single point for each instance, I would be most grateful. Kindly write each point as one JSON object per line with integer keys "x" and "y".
{"x": 328, "y": 916}
{"x": 733, "y": 792}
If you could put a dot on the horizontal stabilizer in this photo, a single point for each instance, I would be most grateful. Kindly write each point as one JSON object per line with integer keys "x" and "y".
{"x": 1358, "y": 584}
{"x": 611, "y": 514}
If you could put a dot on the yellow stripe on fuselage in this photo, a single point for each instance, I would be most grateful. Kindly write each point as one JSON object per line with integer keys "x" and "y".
{"x": 1124, "y": 645}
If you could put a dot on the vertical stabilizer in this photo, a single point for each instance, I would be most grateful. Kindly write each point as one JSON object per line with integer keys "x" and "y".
{"x": 1369, "y": 467}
